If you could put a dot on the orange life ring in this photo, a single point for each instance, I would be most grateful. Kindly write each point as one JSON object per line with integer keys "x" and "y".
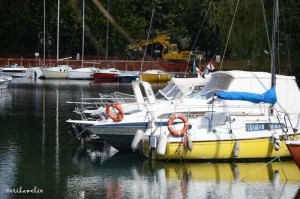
{"x": 178, "y": 133}
{"x": 115, "y": 117}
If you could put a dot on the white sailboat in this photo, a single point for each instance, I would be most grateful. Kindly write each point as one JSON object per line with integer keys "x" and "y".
{"x": 60, "y": 71}
{"x": 82, "y": 73}
{"x": 246, "y": 121}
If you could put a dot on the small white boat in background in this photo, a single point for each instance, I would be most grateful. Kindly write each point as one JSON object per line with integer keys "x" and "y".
{"x": 82, "y": 73}
{"x": 59, "y": 72}
{"x": 14, "y": 70}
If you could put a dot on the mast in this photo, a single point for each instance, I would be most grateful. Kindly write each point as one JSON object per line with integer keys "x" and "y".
{"x": 57, "y": 35}
{"x": 107, "y": 31}
{"x": 82, "y": 53}
{"x": 44, "y": 53}
{"x": 274, "y": 48}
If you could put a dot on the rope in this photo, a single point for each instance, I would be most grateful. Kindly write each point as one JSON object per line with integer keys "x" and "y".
{"x": 238, "y": 1}
{"x": 255, "y": 171}
{"x": 266, "y": 26}
{"x": 77, "y": 136}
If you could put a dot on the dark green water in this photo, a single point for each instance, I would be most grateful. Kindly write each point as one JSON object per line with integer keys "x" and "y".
{"x": 37, "y": 152}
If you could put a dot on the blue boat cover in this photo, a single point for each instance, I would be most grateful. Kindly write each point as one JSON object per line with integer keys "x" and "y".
{"x": 268, "y": 97}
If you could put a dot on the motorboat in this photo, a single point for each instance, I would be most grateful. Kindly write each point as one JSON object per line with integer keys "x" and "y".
{"x": 129, "y": 76}
{"x": 14, "y": 70}
{"x": 107, "y": 75}
{"x": 155, "y": 76}
{"x": 82, "y": 73}
{"x": 102, "y": 121}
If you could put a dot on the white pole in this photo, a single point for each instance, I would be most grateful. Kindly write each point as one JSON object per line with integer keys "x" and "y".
{"x": 82, "y": 53}
{"x": 57, "y": 39}
{"x": 44, "y": 54}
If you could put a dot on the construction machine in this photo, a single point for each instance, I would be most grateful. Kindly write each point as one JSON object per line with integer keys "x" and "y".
{"x": 160, "y": 46}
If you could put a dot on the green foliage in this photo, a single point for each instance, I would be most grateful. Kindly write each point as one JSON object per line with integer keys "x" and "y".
{"x": 189, "y": 23}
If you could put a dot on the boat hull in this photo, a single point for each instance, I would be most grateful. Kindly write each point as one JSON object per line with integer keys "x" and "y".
{"x": 220, "y": 150}
{"x": 80, "y": 75}
{"x": 294, "y": 149}
{"x": 147, "y": 77}
{"x": 127, "y": 79}
{"x": 106, "y": 77}
{"x": 15, "y": 72}
{"x": 55, "y": 74}
{"x": 118, "y": 137}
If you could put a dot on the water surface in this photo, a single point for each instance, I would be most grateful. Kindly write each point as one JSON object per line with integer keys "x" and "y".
{"x": 38, "y": 152}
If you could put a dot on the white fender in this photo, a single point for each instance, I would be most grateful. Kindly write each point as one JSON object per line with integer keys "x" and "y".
{"x": 236, "y": 148}
{"x": 136, "y": 140}
{"x": 162, "y": 145}
{"x": 189, "y": 143}
{"x": 276, "y": 141}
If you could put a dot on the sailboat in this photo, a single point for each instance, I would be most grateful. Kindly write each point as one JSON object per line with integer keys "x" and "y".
{"x": 82, "y": 73}
{"x": 60, "y": 71}
{"x": 237, "y": 124}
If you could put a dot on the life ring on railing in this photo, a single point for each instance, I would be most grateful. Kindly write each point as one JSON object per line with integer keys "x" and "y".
{"x": 115, "y": 117}
{"x": 173, "y": 131}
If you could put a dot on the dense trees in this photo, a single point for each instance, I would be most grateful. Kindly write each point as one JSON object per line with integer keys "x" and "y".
{"x": 203, "y": 25}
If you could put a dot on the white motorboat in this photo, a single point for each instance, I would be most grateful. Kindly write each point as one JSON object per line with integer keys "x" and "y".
{"x": 138, "y": 108}
{"x": 14, "y": 70}
{"x": 82, "y": 73}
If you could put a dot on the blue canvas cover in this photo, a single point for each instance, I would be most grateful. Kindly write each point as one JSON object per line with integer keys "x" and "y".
{"x": 268, "y": 97}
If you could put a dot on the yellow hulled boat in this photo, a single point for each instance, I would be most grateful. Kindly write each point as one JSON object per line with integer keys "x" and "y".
{"x": 219, "y": 150}
{"x": 155, "y": 76}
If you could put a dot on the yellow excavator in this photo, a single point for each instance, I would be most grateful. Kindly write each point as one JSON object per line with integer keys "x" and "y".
{"x": 160, "y": 46}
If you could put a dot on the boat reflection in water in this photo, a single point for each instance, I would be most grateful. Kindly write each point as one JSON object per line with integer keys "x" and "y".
{"x": 132, "y": 176}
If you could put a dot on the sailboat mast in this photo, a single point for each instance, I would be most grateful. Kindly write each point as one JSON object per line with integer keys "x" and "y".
{"x": 82, "y": 53}
{"x": 44, "y": 53}
{"x": 57, "y": 35}
{"x": 107, "y": 30}
{"x": 274, "y": 44}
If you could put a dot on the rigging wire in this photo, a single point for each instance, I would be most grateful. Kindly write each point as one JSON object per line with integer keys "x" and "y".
{"x": 150, "y": 26}
{"x": 206, "y": 14}
{"x": 238, "y": 1}
{"x": 265, "y": 22}
{"x": 200, "y": 29}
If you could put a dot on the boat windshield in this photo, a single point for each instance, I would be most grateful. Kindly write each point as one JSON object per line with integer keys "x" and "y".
{"x": 204, "y": 94}
{"x": 171, "y": 91}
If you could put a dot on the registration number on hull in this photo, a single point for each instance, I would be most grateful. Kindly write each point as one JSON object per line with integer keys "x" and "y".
{"x": 263, "y": 126}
